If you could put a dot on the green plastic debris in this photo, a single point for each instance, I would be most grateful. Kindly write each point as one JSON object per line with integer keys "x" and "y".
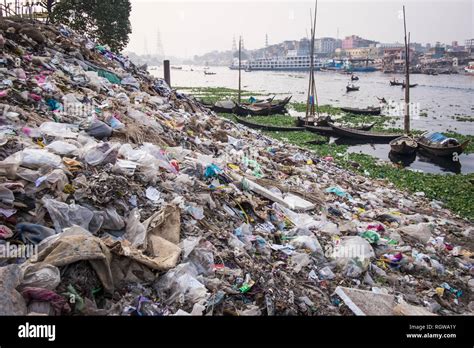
{"x": 371, "y": 236}
{"x": 109, "y": 76}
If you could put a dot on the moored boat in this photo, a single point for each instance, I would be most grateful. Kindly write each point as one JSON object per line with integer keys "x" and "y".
{"x": 352, "y": 88}
{"x": 404, "y": 145}
{"x": 396, "y": 83}
{"x": 367, "y": 111}
{"x": 438, "y": 144}
{"x": 262, "y": 110}
{"x": 364, "y": 135}
{"x": 268, "y": 127}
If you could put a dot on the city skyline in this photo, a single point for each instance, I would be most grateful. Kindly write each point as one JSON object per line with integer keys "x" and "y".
{"x": 187, "y": 27}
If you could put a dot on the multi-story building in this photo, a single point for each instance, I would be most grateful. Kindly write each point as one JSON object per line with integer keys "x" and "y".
{"x": 326, "y": 45}
{"x": 355, "y": 41}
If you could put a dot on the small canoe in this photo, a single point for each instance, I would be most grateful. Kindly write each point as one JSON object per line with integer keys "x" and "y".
{"x": 368, "y": 111}
{"x": 268, "y": 127}
{"x": 352, "y": 88}
{"x": 329, "y": 131}
{"x": 364, "y": 135}
{"x": 404, "y": 145}
{"x": 262, "y": 110}
{"x": 411, "y": 85}
{"x": 396, "y": 83}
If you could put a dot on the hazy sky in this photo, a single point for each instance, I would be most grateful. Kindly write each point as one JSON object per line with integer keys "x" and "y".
{"x": 195, "y": 27}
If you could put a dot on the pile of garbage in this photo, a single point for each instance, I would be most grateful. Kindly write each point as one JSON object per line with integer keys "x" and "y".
{"x": 120, "y": 196}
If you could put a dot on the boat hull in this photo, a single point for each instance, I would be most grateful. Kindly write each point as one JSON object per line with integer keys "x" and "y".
{"x": 364, "y": 135}
{"x": 374, "y": 111}
{"x": 268, "y": 127}
{"x": 441, "y": 151}
{"x": 403, "y": 146}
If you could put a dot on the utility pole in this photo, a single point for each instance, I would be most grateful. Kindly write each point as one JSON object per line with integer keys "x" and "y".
{"x": 240, "y": 67}
{"x": 407, "y": 77}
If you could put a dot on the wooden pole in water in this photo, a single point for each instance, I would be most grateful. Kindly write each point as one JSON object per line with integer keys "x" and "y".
{"x": 311, "y": 102}
{"x": 240, "y": 67}
{"x": 407, "y": 77}
{"x": 167, "y": 74}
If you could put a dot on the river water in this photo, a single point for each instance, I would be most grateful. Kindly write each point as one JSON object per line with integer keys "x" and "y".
{"x": 437, "y": 101}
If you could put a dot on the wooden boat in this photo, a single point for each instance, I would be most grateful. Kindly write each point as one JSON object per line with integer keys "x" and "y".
{"x": 329, "y": 131}
{"x": 326, "y": 129}
{"x": 411, "y": 85}
{"x": 442, "y": 149}
{"x": 209, "y": 73}
{"x": 368, "y": 111}
{"x": 404, "y": 145}
{"x": 262, "y": 110}
{"x": 354, "y": 78}
{"x": 363, "y": 135}
{"x": 352, "y": 88}
{"x": 396, "y": 83}
{"x": 268, "y": 127}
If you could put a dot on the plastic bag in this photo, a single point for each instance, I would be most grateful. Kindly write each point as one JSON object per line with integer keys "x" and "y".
{"x": 353, "y": 248}
{"x": 64, "y": 215}
{"x": 112, "y": 220}
{"x": 181, "y": 281}
{"x": 61, "y": 130}
{"x": 299, "y": 260}
{"x": 62, "y": 148}
{"x": 38, "y": 158}
{"x": 130, "y": 81}
{"x": 102, "y": 154}
{"x": 99, "y": 130}
{"x": 135, "y": 231}
{"x": 196, "y": 212}
{"x": 202, "y": 258}
{"x": 41, "y": 276}
{"x": 308, "y": 242}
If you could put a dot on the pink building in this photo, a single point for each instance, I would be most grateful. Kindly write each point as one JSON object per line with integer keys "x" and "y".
{"x": 355, "y": 41}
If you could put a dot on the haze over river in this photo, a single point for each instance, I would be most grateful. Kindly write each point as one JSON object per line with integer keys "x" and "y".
{"x": 439, "y": 100}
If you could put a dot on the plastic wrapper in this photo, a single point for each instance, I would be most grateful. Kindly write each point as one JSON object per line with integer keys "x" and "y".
{"x": 38, "y": 158}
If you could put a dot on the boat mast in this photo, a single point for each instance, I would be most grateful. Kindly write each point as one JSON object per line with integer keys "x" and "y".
{"x": 407, "y": 77}
{"x": 312, "y": 101}
{"x": 240, "y": 66}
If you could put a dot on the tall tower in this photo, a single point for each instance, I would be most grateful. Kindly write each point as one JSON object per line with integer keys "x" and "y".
{"x": 160, "y": 51}
{"x": 243, "y": 47}
{"x": 266, "y": 40}
{"x": 145, "y": 46}
{"x": 234, "y": 45}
